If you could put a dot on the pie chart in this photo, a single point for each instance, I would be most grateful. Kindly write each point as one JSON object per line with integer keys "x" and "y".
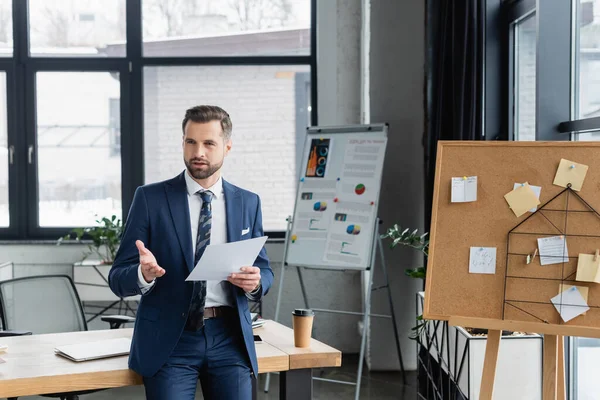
{"x": 359, "y": 189}
{"x": 353, "y": 229}
{"x": 320, "y": 206}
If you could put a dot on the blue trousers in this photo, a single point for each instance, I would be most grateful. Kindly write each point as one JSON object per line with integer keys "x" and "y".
{"x": 215, "y": 355}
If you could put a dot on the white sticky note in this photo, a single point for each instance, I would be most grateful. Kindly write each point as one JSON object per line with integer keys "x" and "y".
{"x": 536, "y": 189}
{"x": 553, "y": 250}
{"x": 482, "y": 260}
{"x": 570, "y": 304}
{"x": 464, "y": 190}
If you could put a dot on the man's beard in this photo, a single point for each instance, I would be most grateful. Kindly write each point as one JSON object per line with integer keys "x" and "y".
{"x": 202, "y": 173}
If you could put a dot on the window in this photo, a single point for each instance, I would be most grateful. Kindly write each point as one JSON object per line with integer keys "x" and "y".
{"x": 97, "y": 92}
{"x": 5, "y": 155}
{"x": 263, "y": 103}
{"x": 232, "y": 28}
{"x": 566, "y": 106}
{"x": 587, "y": 65}
{"x": 6, "y": 28}
{"x": 78, "y": 175}
{"x": 524, "y": 73}
{"x": 586, "y": 110}
{"x": 77, "y": 28}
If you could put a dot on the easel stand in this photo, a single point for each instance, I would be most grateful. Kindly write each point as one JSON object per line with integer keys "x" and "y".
{"x": 553, "y": 387}
{"x": 367, "y": 307}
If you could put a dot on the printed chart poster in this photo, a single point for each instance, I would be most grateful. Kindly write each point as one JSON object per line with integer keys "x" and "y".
{"x": 361, "y": 170}
{"x": 314, "y": 210}
{"x": 316, "y": 167}
{"x": 348, "y": 241}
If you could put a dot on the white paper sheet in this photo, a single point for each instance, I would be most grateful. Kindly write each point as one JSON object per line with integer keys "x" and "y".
{"x": 553, "y": 250}
{"x": 482, "y": 260}
{"x": 220, "y": 260}
{"x": 570, "y": 304}
{"x": 464, "y": 190}
{"x": 536, "y": 189}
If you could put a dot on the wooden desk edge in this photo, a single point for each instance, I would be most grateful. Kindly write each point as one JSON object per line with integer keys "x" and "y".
{"x": 318, "y": 355}
{"x": 318, "y": 360}
{"x": 70, "y": 383}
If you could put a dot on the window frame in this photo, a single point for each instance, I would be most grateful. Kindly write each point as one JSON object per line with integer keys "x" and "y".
{"x": 555, "y": 87}
{"x": 21, "y": 103}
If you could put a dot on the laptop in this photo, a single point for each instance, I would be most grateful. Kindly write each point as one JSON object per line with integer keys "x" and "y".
{"x": 95, "y": 350}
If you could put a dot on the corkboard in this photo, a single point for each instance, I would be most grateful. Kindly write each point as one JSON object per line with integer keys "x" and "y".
{"x": 451, "y": 291}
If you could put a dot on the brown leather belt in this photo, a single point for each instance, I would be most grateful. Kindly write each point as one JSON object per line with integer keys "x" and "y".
{"x": 217, "y": 312}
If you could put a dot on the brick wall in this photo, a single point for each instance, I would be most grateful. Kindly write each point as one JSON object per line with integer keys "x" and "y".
{"x": 525, "y": 75}
{"x": 262, "y": 103}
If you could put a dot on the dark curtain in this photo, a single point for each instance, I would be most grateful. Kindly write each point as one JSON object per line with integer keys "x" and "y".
{"x": 455, "y": 51}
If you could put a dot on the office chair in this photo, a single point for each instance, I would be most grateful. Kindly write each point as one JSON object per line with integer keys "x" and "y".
{"x": 46, "y": 304}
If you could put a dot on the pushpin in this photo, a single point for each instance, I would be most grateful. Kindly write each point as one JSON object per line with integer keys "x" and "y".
{"x": 301, "y": 179}
{"x": 522, "y": 184}
{"x": 338, "y": 179}
{"x": 294, "y": 237}
{"x": 335, "y": 200}
{"x": 464, "y": 178}
{"x": 572, "y": 166}
{"x": 372, "y": 202}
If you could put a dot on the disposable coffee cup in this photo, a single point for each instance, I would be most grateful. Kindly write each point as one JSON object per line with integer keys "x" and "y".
{"x": 302, "y": 322}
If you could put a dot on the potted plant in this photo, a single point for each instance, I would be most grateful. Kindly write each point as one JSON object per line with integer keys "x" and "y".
{"x": 412, "y": 239}
{"x": 105, "y": 238}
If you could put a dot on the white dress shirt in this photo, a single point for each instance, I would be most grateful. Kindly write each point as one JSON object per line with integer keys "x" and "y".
{"x": 217, "y": 292}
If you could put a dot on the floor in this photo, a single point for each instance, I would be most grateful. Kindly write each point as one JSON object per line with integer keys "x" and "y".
{"x": 375, "y": 386}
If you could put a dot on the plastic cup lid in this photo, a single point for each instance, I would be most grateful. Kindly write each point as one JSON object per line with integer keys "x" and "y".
{"x": 304, "y": 312}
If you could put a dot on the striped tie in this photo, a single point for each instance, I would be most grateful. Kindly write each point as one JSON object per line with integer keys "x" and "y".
{"x": 195, "y": 319}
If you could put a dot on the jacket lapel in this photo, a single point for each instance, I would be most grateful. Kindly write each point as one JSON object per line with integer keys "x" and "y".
{"x": 234, "y": 204}
{"x": 178, "y": 205}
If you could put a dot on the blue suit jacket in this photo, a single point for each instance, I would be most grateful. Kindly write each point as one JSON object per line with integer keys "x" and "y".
{"x": 159, "y": 217}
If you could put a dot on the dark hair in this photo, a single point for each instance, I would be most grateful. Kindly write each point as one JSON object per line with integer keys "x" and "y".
{"x": 205, "y": 113}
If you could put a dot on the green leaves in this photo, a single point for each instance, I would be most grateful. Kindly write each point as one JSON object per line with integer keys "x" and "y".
{"x": 416, "y": 273}
{"x": 105, "y": 238}
{"x": 407, "y": 238}
{"x": 412, "y": 239}
{"x": 418, "y": 328}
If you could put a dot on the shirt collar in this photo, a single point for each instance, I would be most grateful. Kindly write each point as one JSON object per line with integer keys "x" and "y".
{"x": 193, "y": 186}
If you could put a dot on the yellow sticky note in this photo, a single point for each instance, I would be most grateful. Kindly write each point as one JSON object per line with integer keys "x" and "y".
{"x": 521, "y": 199}
{"x": 587, "y": 268}
{"x": 570, "y": 172}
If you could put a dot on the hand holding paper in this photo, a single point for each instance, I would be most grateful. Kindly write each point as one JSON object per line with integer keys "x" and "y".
{"x": 248, "y": 278}
{"x": 219, "y": 261}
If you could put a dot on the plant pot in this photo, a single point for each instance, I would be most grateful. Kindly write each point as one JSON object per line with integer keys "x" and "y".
{"x": 458, "y": 354}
